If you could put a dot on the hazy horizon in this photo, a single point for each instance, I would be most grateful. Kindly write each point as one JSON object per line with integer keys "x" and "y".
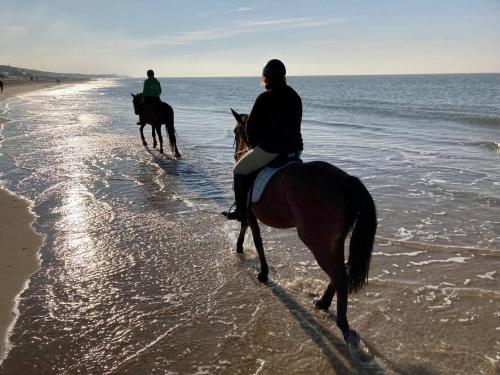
{"x": 236, "y": 38}
{"x": 125, "y": 76}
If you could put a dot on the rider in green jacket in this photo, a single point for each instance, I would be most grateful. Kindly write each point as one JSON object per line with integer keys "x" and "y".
{"x": 150, "y": 94}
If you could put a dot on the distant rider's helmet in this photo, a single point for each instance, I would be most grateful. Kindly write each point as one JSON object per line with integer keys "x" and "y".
{"x": 274, "y": 69}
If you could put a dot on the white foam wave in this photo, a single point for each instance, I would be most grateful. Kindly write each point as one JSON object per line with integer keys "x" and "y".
{"x": 410, "y": 254}
{"x": 311, "y": 287}
{"x": 449, "y": 260}
{"x": 488, "y": 275}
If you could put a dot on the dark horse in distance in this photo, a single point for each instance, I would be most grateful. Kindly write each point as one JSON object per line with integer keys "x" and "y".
{"x": 164, "y": 114}
{"x": 325, "y": 204}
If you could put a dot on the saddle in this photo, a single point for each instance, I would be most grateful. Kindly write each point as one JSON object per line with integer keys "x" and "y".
{"x": 152, "y": 108}
{"x": 262, "y": 177}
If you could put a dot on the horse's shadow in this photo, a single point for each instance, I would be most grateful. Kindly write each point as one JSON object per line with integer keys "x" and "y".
{"x": 342, "y": 358}
{"x": 196, "y": 179}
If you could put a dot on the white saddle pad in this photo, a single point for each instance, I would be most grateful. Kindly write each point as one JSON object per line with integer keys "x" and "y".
{"x": 263, "y": 179}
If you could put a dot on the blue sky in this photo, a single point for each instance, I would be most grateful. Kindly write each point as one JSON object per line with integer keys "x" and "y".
{"x": 236, "y": 38}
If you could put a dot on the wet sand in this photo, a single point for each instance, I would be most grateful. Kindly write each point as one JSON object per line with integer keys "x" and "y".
{"x": 19, "y": 243}
{"x": 136, "y": 280}
{"x": 12, "y": 89}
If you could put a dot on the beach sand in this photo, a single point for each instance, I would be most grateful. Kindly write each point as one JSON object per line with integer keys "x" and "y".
{"x": 12, "y": 89}
{"x": 19, "y": 243}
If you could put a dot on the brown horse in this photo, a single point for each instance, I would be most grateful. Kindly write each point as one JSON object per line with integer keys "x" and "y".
{"x": 324, "y": 203}
{"x": 164, "y": 116}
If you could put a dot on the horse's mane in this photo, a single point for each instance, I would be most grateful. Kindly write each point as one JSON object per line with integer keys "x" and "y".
{"x": 240, "y": 129}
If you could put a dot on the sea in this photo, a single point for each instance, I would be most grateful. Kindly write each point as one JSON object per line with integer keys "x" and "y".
{"x": 139, "y": 273}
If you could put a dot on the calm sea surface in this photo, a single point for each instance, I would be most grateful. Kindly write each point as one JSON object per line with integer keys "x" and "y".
{"x": 138, "y": 270}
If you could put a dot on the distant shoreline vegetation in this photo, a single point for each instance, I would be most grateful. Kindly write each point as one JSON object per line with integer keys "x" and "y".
{"x": 18, "y": 73}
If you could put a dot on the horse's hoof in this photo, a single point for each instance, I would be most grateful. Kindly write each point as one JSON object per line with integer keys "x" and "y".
{"x": 352, "y": 338}
{"x": 144, "y": 143}
{"x": 154, "y": 145}
{"x": 178, "y": 155}
{"x": 321, "y": 305}
{"x": 262, "y": 277}
{"x": 161, "y": 151}
{"x": 239, "y": 249}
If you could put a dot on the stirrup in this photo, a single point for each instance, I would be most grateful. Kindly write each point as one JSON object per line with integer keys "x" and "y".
{"x": 233, "y": 215}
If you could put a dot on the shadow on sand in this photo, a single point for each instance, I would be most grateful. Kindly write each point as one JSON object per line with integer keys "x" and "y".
{"x": 343, "y": 359}
{"x": 365, "y": 359}
{"x": 195, "y": 178}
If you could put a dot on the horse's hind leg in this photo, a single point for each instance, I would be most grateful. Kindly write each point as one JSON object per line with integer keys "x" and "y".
{"x": 335, "y": 268}
{"x": 153, "y": 131}
{"x": 330, "y": 258}
{"x": 257, "y": 239}
{"x": 340, "y": 280}
{"x": 172, "y": 139}
{"x": 144, "y": 143}
{"x": 160, "y": 138}
{"x": 326, "y": 300}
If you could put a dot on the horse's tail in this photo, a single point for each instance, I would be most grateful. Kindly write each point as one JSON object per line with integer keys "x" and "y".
{"x": 361, "y": 204}
{"x": 169, "y": 122}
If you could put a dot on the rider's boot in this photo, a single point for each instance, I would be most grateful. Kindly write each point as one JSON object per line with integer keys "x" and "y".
{"x": 241, "y": 187}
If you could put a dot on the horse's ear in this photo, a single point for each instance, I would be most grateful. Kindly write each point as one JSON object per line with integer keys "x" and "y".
{"x": 237, "y": 116}
{"x": 133, "y": 96}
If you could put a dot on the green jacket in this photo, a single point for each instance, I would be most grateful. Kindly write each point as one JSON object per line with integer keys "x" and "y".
{"x": 151, "y": 87}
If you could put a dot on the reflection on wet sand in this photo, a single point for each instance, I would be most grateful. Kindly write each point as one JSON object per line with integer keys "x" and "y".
{"x": 140, "y": 274}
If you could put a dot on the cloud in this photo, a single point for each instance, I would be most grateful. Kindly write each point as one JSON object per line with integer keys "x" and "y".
{"x": 190, "y": 37}
{"x": 13, "y": 29}
{"x": 288, "y": 22}
{"x": 234, "y": 29}
{"x": 241, "y": 9}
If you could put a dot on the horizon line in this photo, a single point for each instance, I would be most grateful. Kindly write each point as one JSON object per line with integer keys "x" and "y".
{"x": 311, "y": 75}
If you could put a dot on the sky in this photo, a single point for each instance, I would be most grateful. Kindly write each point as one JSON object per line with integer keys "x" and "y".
{"x": 182, "y": 38}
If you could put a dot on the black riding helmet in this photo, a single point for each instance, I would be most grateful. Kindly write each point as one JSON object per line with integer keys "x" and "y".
{"x": 274, "y": 69}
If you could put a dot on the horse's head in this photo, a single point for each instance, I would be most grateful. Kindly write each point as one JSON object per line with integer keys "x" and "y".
{"x": 241, "y": 144}
{"x": 137, "y": 101}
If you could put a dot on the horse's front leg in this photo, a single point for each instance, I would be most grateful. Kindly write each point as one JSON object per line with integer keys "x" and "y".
{"x": 241, "y": 238}
{"x": 144, "y": 143}
{"x": 257, "y": 240}
{"x": 160, "y": 138}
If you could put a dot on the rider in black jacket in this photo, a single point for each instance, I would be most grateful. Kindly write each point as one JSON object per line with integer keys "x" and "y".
{"x": 272, "y": 128}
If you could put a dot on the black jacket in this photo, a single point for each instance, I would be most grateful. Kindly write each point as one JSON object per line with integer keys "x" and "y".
{"x": 274, "y": 122}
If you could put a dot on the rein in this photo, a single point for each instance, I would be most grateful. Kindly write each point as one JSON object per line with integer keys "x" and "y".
{"x": 239, "y": 134}
{"x": 243, "y": 151}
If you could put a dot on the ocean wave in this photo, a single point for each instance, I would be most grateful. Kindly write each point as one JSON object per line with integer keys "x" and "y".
{"x": 340, "y": 124}
{"x": 423, "y": 246}
{"x": 492, "y": 145}
{"x": 462, "y": 117}
{"x": 397, "y": 110}
{"x": 480, "y": 119}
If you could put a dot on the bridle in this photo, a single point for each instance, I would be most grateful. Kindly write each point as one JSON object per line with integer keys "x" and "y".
{"x": 239, "y": 136}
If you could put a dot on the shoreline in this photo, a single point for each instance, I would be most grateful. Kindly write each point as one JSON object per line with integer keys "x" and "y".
{"x": 19, "y": 242}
